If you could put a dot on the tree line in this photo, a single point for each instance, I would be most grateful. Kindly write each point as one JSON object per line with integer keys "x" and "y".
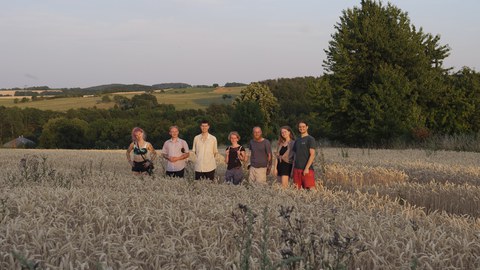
{"x": 385, "y": 81}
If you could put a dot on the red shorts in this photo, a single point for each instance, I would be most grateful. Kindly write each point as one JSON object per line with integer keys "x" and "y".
{"x": 303, "y": 181}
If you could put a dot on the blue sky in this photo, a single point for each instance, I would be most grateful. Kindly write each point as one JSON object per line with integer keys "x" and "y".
{"x": 79, "y": 43}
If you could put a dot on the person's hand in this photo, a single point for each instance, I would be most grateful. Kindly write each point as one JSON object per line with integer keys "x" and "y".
{"x": 130, "y": 162}
{"x": 305, "y": 172}
{"x": 173, "y": 159}
{"x": 146, "y": 164}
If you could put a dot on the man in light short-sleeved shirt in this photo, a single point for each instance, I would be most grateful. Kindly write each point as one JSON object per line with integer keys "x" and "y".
{"x": 205, "y": 149}
{"x": 176, "y": 152}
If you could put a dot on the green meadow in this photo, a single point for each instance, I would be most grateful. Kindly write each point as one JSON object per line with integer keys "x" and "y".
{"x": 188, "y": 98}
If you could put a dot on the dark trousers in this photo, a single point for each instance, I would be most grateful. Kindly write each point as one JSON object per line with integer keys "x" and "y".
{"x": 234, "y": 176}
{"x": 205, "y": 175}
{"x": 178, "y": 174}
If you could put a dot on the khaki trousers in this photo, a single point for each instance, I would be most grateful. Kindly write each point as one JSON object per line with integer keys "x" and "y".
{"x": 258, "y": 175}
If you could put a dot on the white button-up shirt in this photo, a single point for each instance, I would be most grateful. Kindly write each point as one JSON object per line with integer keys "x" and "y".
{"x": 174, "y": 149}
{"x": 205, "y": 151}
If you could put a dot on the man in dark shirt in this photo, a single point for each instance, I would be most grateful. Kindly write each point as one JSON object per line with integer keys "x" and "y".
{"x": 304, "y": 155}
{"x": 260, "y": 157}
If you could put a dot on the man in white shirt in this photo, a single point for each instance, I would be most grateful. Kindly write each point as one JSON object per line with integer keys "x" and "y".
{"x": 205, "y": 149}
{"x": 176, "y": 152}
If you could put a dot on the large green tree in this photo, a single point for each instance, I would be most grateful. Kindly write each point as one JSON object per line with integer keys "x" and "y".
{"x": 247, "y": 114}
{"x": 291, "y": 94}
{"x": 384, "y": 73}
{"x": 262, "y": 95}
{"x": 460, "y": 104}
{"x": 264, "y": 99}
{"x": 64, "y": 133}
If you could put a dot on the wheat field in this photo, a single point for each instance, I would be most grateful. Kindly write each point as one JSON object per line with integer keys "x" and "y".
{"x": 373, "y": 209}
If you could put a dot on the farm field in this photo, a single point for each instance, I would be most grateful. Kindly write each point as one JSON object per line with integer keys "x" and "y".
{"x": 374, "y": 209}
{"x": 189, "y": 98}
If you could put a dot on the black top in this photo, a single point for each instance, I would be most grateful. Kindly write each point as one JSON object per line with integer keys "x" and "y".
{"x": 137, "y": 150}
{"x": 283, "y": 150}
{"x": 233, "y": 160}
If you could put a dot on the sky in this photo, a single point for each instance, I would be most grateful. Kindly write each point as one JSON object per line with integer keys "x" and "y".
{"x": 81, "y": 43}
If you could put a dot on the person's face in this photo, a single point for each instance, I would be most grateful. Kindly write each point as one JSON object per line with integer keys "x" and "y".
{"x": 302, "y": 128}
{"x": 204, "y": 127}
{"x": 285, "y": 133}
{"x": 233, "y": 139}
{"x": 174, "y": 132}
{"x": 257, "y": 133}
{"x": 138, "y": 135}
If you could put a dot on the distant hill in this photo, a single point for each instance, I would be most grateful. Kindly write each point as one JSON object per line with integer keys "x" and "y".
{"x": 116, "y": 87}
{"x": 171, "y": 85}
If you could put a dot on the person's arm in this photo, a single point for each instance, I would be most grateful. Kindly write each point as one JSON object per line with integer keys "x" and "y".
{"x": 152, "y": 151}
{"x": 311, "y": 157}
{"x": 186, "y": 154}
{"x": 182, "y": 156}
{"x": 165, "y": 152}
{"x": 215, "y": 148}
{"x": 269, "y": 165}
{"x": 310, "y": 161}
{"x": 247, "y": 155}
{"x": 227, "y": 153}
{"x": 242, "y": 154}
{"x": 194, "y": 146}
{"x": 129, "y": 158}
{"x": 276, "y": 154}
{"x": 287, "y": 156}
{"x": 275, "y": 162}
{"x": 269, "y": 157}
{"x": 291, "y": 153}
{"x": 293, "y": 159}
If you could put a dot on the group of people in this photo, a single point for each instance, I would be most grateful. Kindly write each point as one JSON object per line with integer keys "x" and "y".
{"x": 293, "y": 157}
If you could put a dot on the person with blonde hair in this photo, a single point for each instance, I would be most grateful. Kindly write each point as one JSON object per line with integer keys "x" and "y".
{"x": 143, "y": 153}
{"x": 234, "y": 155}
{"x": 284, "y": 155}
{"x": 175, "y": 151}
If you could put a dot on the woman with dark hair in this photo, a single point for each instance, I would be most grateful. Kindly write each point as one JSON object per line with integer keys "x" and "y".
{"x": 143, "y": 153}
{"x": 284, "y": 155}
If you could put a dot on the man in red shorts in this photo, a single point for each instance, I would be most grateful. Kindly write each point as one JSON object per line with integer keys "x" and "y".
{"x": 304, "y": 151}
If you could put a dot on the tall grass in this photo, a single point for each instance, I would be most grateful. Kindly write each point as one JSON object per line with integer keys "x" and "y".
{"x": 364, "y": 218}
